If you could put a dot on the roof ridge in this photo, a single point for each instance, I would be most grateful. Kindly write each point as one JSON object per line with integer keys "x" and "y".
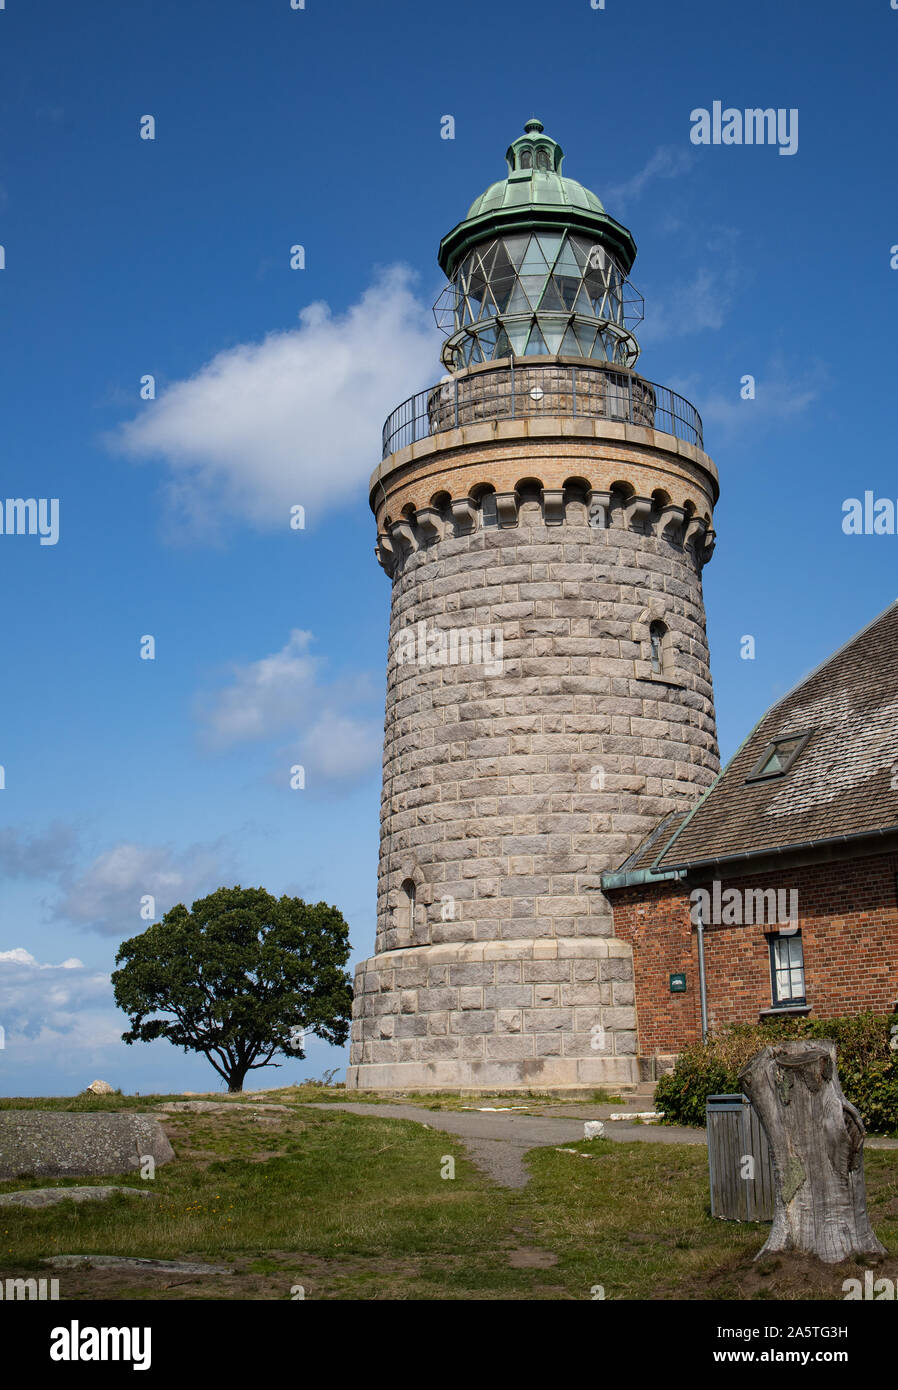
{"x": 849, "y": 642}
{"x": 890, "y": 610}
{"x": 648, "y": 840}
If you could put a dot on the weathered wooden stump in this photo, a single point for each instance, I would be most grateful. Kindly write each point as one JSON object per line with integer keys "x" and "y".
{"x": 816, "y": 1138}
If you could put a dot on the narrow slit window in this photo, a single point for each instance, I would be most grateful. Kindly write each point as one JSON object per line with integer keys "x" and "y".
{"x": 404, "y": 912}
{"x": 658, "y": 645}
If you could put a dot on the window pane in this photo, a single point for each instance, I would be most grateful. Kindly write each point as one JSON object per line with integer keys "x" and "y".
{"x": 780, "y": 755}
{"x": 788, "y": 969}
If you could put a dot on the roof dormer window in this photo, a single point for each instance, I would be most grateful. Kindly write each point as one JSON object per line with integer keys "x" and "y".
{"x": 778, "y": 757}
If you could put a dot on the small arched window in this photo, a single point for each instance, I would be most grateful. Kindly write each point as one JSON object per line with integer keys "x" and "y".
{"x": 542, "y": 159}
{"x": 489, "y": 515}
{"x": 404, "y": 912}
{"x": 660, "y": 648}
{"x": 526, "y": 161}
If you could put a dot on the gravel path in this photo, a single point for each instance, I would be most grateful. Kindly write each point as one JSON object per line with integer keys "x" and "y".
{"x": 497, "y": 1142}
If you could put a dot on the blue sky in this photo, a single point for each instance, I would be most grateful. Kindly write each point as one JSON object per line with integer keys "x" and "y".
{"x": 127, "y": 257}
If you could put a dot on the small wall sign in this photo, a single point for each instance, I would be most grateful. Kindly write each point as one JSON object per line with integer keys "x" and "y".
{"x": 678, "y": 983}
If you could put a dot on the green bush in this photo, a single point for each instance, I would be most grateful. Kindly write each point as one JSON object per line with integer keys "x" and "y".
{"x": 868, "y": 1067}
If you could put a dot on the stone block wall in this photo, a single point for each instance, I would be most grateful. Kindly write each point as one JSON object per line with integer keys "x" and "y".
{"x": 507, "y": 1013}
{"x": 512, "y": 782}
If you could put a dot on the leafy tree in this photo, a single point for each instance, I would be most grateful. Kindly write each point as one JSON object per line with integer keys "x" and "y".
{"x": 243, "y": 976}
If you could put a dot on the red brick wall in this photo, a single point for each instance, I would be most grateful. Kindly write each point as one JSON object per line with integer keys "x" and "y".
{"x": 848, "y": 914}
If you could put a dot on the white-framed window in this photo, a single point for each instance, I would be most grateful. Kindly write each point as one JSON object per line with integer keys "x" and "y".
{"x": 787, "y": 970}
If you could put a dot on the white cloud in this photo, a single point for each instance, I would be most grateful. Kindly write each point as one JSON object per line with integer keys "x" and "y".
{"x": 294, "y": 419}
{"x": 332, "y": 731}
{"x": 265, "y": 696}
{"x": 44, "y": 1008}
{"x": 19, "y": 956}
{"x": 668, "y": 162}
{"x": 340, "y": 747}
{"x": 694, "y": 307}
{"x": 777, "y": 397}
{"x": 36, "y": 856}
{"x": 107, "y": 896}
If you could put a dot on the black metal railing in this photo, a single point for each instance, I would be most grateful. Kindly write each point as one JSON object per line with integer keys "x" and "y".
{"x": 523, "y": 388}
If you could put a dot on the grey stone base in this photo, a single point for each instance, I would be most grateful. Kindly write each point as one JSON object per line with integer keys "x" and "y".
{"x": 541, "y": 1014}
{"x": 533, "y": 1074}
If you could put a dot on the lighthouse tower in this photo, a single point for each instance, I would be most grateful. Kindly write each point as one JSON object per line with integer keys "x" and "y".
{"x": 543, "y": 513}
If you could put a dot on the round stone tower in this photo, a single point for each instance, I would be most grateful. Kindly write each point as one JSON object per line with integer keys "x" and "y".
{"x": 544, "y": 514}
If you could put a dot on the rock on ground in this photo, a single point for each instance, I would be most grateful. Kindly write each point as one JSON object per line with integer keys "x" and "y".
{"x": 59, "y": 1144}
{"x": 49, "y": 1196}
{"x": 198, "y": 1106}
{"x": 133, "y": 1262}
{"x": 101, "y": 1088}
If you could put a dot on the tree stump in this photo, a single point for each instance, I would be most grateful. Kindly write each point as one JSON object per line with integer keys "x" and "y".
{"x": 816, "y": 1139}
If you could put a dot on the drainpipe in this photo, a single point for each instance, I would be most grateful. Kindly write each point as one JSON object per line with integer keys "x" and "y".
{"x": 702, "y": 983}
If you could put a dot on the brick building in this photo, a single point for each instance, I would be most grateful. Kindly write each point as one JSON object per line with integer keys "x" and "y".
{"x": 786, "y": 866}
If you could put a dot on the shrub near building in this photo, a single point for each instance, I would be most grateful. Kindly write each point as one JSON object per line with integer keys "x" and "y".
{"x": 867, "y": 1050}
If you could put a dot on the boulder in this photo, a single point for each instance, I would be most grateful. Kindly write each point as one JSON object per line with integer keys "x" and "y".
{"x": 133, "y": 1262}
{"x": 101, "y": 1088}
{"x": 50, "y": 1196}
{"x": 196, "y": 1107}
{"x": 593, "y": 1129}
{"x": 60, "y": 1144}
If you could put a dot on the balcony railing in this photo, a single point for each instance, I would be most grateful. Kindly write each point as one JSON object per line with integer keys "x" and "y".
{"x": 520, "y": 389}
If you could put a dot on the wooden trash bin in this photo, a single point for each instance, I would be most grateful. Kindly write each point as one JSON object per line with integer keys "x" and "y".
{"x": 739, "y": 1162}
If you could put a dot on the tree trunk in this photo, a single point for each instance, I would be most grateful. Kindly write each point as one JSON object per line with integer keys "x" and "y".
{"x": 816, "y": 1138}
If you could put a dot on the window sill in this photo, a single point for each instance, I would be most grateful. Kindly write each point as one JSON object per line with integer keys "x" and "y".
{"x": 785, "y": 1009}
{"x": 664, "y": 680}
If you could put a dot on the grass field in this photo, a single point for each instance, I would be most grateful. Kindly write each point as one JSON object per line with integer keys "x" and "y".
{"x": 307, "y": 1093}
{"x": 328, "y": 1205}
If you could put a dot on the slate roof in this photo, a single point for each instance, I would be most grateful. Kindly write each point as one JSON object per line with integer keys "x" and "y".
{"x": 644, "y": 855}
{"x": 840, "y": 785}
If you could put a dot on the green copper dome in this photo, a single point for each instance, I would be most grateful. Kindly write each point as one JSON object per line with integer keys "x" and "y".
{"x": 545, "y": 189}
{"x": 535, "y": 194}
{"x": 537, "y": 268}
{"x": 545, "y": 184}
